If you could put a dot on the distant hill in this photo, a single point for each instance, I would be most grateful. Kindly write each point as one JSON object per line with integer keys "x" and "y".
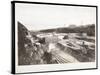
{"x": 89, "y": 29}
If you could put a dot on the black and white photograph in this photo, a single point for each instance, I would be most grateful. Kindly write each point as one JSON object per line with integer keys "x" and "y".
{"x": 48, "y": 34}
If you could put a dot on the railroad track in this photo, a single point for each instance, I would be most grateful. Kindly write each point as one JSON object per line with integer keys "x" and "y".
{"x": 59, "y": 59}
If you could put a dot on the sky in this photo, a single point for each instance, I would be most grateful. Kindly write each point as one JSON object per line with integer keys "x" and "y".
{"x": 41, "y": 16}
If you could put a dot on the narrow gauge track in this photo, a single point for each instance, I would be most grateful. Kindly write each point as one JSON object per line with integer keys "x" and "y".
{"x": 59, "y": 59}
